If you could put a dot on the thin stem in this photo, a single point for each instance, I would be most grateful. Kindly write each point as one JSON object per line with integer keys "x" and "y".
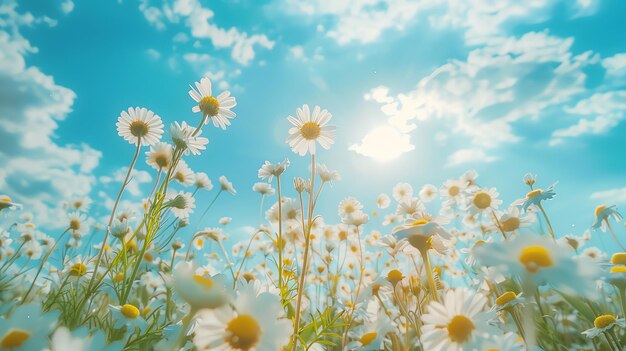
{"x": 117, "y": 201}
{"x": 43, "y": 262}
{"x": 545, "y": 215}
{"x": 296, "y": 327}
{"x": 613, "y": 234}
{"x": 429, "y": 275}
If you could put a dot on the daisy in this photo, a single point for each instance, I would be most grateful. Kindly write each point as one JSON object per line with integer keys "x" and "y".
{"x": 355, "y": 218}
{"x": 459, "y": 323}
{"x": 428, "y": 193}
{"x": 348, "y": 206}
{"x": 140, "y": 125}
{"x": 269, "y": 171}
{"x": 326, "y": 175}
{"x": 419, "y": 231}
{"x": 263, "y": 188}
{"x": 181, "y": 204}
{"x": 602, "y": 216}
{"x": 202, "y": 181}
{"x": 512, "y": 220}
{"x": 226, "y": 185}
{"x": 371, "y": 335}
{"x": 80, "y": 340}
{"x": 214, "y": 108}
{"x": 80, "y": 204}
{"x": 534, "y": 197}
{"x": 529, "y": 179}
{"x": 483, "y": 200}
{"x": 541, "y": 260}
{"x": 128, "y": 315}
{"x": 254, "y": 324}
{"x": 182, "y": 174}
{"x": 383, "y": 201}
{"x": 6, "y": 202}
{"x": 187, "y": 138}
{"x": 160, "y": 156}
{"x": 77, "y": 223}
{"x": 309, "y": 128}
{"x": 602, "y": 324}
{"x": 27, "y": 328}
{"x": 225, "y": 220}
{"x": 402, "y": 192}
{"x": 200, "y": 291}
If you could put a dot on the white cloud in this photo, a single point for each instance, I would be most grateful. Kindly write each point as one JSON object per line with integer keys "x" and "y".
{"x": 36, "y": 170}
{"x": 383, "y": 143}
{"x": 499, "y": 84}
{"x": 299, "y": 53}
{"x": 153, "y": 54}
{"x": 598, "y": 114}
{"x": 198, "y": 19}
{"x": 67, "y": 6}
{"x": 365, "y": 21}
{"x": 471, "y": 155}
{"x": 615, "y": 65}
{"x": 611, "y": 196}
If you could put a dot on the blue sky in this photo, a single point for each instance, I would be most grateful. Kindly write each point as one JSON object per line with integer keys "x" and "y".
{"x": 445, "y": 86}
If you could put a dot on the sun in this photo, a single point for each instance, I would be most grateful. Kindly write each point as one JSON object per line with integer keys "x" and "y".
{"x": 384, "y": 143}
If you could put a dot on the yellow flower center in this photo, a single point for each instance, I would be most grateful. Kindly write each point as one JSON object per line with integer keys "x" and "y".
{"x": 419, "y": 222}
{"x": 510, "y": 224}
{"x": 119, "y": 277}
{"x": 244, "y": 332}
{"x": 209, "y": 106}
{"x": 349, "y": 208}
{"x": 310, "y": 130}
{"x": 129, "y": 311}
{"x": 535, "y": 257}
{"x": 394, "y": 276}
{"x": 604, "y": 321}
{"x": 78, "y": 270}
{"x": 204, "y": 281}
{"x": 460, "y": 328}
{"x": 14, "y": 338}
{"x": 138, "y": 128}
{"x": 600, "y": 209}
{"x": 74, "y": 224}
{"x": 367, "y": 338}
{"x": 618, "y": 269}
{"x": 162, "y": 160}
{"x": 505, "y": 298}
{"x": 482, "y": 200}
{"x": 534, "y": 193}
{"x": 454, "y": 190}
{"x": 148, "y": 257}
{"x": 5, "y": 198}
{"x": 619, "y": 258}
{"x": 248, "y": 276}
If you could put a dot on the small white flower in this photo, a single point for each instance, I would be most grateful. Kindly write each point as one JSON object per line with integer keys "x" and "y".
{"x": 217, "y": 108}
{"x": 140, "y": 125}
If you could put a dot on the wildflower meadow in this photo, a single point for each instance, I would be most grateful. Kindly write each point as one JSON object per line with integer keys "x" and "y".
{"x": 451, "y": 265}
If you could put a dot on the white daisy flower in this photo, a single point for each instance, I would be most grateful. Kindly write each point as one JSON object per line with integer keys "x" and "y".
{"x": 6, "y": 202}
{"x": 255, "y": 324}
{"x": 309, "y": 128}
{"x": 200, "y": 291}
{"x": 140, "y": 125}
{"x": 226, "y": 185}
{"x": 327, "y": 175}
{"x": 383, "y": 201}
{"x": 80, "y": 204}
{"x": 27, "y": 328}
{"x": 184, "y": 138}
{"x": 604, "y": 323}
{"x": 202, "y": 181}
{"x": 428, "y": 193}
{"x": 483, "y": 200}
{"x": 181, "y": 204}
{"x": 214, "y": 108}
{"x": 459, "y": 323}
{"x": 542, "y": 260}
{"x": 263, "y": 188}
{"x": 128, "y": 315}
{"x": 348, "y": 206}
{"x": 160, "y": 156}
{"x": 182, "y": 174}
{"x": 402, "y": 192}
{"x": 225, "y": 220}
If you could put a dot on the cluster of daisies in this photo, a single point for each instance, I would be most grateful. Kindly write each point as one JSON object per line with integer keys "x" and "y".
{"x": 448, "y": 267}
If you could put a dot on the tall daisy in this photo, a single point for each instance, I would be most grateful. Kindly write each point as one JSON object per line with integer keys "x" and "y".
{"x": 140, "y": 125}
{"x": 160, "y": 156}
{"x": 309, "y": 128}
{"x": 215, "y": 108}
{"x": 186, "y": 138}
{"x": 255, "y": 324}
{"x": 459, "y": 323}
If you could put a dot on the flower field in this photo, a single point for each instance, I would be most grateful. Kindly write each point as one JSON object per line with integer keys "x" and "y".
{"x": 455, "y": 268}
